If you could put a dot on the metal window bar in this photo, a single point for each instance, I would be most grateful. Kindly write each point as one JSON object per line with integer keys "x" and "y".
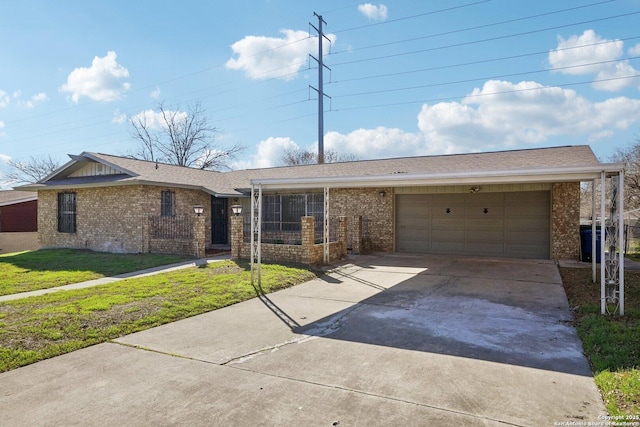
{"x": 167, "y": 203}
{"x": 281, "y": 218}
{"x": 67, "y": 212}
{"x": 171, "y": 227}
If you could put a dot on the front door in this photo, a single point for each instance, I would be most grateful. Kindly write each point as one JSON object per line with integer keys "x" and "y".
{"x": 219, "y": 221}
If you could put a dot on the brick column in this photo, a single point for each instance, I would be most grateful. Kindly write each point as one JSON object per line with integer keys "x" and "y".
{"x": 199, "y": 237}
{"x": 307, "y": 236}
{"x": 342, "y": 236}
{"x": 356, "y": 235}
{"x": 237, "y": 236}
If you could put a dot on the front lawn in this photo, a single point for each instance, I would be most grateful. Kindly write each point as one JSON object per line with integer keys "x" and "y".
{"x": 48, "y": 268}
{"x": 611, "y": 343}
{"x": 36, "y": 328}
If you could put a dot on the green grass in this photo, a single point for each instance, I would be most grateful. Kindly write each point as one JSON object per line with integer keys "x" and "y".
{"x": 48, "y": 268}
{"x": 36, "y": 328}
{"x": 611, "y": 343}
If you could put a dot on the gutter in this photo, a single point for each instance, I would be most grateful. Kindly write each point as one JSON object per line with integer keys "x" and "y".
{"x": 557, "y": 174}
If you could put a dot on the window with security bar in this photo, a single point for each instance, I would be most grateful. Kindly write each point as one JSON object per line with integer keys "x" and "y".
{"x": 167, "y": 203}
{"x": 283, "y": 212}
{"x": 67, "y": 212}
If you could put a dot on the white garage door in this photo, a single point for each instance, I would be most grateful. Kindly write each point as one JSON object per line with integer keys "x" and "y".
{"x": 515, "y": 224}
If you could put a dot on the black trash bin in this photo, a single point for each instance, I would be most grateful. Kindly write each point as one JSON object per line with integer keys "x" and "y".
{"x": 585, "y": 244}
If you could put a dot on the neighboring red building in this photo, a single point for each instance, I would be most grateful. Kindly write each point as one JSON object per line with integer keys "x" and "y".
{"x": 18, "y": 211}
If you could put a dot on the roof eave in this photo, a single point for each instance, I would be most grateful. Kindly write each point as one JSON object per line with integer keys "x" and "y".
{"x": 560, "y": 174}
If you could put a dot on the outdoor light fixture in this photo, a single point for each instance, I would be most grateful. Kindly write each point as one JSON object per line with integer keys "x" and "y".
{"x": 198, "y": 209}
{"x": 236, "y": 209}
{"x": 382, "y": 193}
{"x": 474, "y": 189}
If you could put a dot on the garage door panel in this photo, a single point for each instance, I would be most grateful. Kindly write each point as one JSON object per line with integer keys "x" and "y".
{"x": 527, "y": 224}
{"x": 515, "y": 224}
{"x": 446, "y": 247}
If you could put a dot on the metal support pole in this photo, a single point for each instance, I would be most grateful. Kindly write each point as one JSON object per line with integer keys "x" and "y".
{"x": 326, "y": 226}
{"x": 256, "y": 234}
{"x": 593, "y": 231}
{"x": 320, "y": 93}
{"x": 320, "y": 88}
{"x": 603, "y": 303}
{"x": 621, "y": 242}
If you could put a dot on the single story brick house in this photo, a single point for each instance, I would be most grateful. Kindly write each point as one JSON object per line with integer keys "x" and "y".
{"x": 518, "y": 203}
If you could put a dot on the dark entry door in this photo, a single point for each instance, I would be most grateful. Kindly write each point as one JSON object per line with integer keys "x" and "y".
{"x": 219, "y": 221}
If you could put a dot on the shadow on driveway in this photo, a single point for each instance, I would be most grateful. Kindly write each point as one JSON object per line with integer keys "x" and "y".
{"x": 505, "y": 311}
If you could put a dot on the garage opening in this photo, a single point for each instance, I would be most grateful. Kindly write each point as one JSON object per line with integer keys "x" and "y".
{"x": 507, "y": 224}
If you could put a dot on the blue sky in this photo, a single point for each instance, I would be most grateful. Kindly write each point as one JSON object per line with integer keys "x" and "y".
{"x": 406, "y": 78}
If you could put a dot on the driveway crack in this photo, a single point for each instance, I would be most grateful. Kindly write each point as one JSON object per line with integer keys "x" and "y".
{"x": 328, "y": 327}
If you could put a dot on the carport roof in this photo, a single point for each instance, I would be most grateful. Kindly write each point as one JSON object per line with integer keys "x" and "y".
{"x": 554, "y": 164}
{"x": 568, "y": 163}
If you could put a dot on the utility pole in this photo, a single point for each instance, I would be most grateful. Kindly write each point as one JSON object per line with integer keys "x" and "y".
{"x": 320, "y": 88}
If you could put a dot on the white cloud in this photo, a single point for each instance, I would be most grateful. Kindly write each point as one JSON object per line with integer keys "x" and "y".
{"x": 4, "y": 99}
{"x": 153, "y": 119}
{"x": 378, "y": 143}
{"x": 271, "y": 57}
{"x": 373, "y": 12}
{"x": 270, "y": 152}
{"x": 155, "y": 94}
{"x": 101, "y": 82}
{"x": 589, "y": 48}
{"x": 635, "y": 50}
{"x": 34, "y": 100}
{"x": 504, "y": 114}
{"x": 119, "y": 117}
{"x": 499, "y": 115}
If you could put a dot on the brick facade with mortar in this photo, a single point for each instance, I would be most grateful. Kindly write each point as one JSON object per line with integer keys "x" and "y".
{"x": 375, "y": 209}
{"x": 114, "y": 219}
{"x": 565, "y": 220}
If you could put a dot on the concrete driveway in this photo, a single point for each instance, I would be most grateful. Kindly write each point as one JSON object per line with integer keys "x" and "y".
{"x": 391, "y": 340}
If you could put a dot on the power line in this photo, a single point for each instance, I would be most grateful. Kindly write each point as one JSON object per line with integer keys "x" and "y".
{"x": 478, "y": 95}
{"x": 477, "y": 27}
{"x": 390, "y": 21}
{"x": 475, "y": 79}
{"x": 483, "y": 40}
{"x": 482, "y": 61}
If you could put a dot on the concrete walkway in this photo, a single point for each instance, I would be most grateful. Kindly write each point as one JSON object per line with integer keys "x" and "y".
{"x": 382, "y": 341}
{"x": 105, "y": 280}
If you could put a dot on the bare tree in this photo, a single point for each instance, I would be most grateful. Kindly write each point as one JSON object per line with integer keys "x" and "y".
{"x": 34, "y": 169}
{"x": 180, "y": 138}
{"x": 631, "y": 157}
{"x": 295, "y": 157}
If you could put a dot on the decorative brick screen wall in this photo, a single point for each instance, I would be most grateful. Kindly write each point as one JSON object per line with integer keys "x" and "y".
{"x": 308, "y": 252}
{"x": 565, "y": 220}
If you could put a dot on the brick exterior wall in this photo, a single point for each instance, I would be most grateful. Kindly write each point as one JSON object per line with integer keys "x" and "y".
{"x": 115, "y": 219}
{"x": 308, "y": 252}
{"x": 368, "y": 203}
{"x": 565, "y": 220}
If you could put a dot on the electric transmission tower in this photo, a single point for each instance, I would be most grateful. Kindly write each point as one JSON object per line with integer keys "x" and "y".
{"x": 320, "y": 88}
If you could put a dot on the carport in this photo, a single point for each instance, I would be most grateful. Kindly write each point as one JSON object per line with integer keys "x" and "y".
{"x": 522, "y": 228}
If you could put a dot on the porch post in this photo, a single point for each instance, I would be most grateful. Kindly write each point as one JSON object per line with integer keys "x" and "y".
{"x": 256, "y": 233}
{"x": 621, "y": 241}
{"x": 326, "y": 225}
{"x": 237, "y": 236}
{"x": 199, "y": 237}
{"x": 603, "y": 302}
{"x": 593, "y": 231}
